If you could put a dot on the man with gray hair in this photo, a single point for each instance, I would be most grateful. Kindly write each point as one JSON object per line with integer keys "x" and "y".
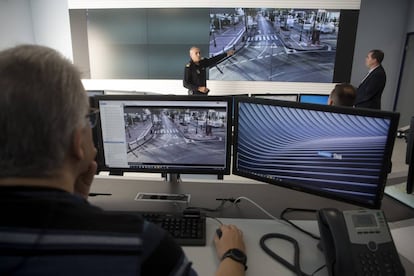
{"x": 343, "y": 94}
{"x": 47, "y": 166}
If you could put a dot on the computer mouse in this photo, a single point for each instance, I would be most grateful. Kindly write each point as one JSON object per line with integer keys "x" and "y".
{"x": 219, "y": 233}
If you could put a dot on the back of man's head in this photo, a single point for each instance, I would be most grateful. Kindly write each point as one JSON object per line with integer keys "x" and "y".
{"x": 42, "y": 101}
{"x": 343, "y": 94}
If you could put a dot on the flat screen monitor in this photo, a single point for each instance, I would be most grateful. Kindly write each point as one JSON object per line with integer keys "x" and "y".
{"x": 281, "y": 97}
{"x": 167, "y": 134}
{"x": 314, "y": 98}
{"x": 335, "y": 152}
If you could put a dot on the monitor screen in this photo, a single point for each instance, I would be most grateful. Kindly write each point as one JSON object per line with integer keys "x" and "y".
{"x": 282, "y": 97}
{"x": 340, "y": 153}
{"x": 168, "y": 134}
{"x": 273, "y": 42}
{"x": 314, "y": 98}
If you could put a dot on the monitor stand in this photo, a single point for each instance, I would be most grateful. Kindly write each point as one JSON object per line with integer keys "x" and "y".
{"x": 172, "y": 178}
{"x": 116, "y": 172}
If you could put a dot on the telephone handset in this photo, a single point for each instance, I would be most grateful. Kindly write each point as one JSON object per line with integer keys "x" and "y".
{"x": 358, "y": 242}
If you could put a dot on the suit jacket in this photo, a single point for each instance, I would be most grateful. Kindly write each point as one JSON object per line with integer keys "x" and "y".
{"x": 370, "y": 90}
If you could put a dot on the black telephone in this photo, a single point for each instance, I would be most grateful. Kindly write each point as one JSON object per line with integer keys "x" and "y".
{"x": 358, "y": 242}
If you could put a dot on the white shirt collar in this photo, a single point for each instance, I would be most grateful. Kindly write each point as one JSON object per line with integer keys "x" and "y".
{"x": 372, "y": 69}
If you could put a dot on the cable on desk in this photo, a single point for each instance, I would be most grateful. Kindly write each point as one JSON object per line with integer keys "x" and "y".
{"x": 217, "y": 209}
{"x": 216, "y": 219}
{"x": 296, "y": 266}
{"x": 237, "y": 200}
{"x": 288, "y": 210}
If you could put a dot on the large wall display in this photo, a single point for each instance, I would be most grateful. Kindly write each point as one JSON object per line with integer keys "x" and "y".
{"x": 282, "y": 45}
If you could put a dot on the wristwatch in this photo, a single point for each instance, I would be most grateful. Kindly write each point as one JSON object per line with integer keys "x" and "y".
{"x": 236, "y": 255}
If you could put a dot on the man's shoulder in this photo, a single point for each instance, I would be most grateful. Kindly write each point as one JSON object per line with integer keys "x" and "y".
{"x": 378, "y": 74}
{"x": 379, "y": 70}
{"x": 190, "y": 64}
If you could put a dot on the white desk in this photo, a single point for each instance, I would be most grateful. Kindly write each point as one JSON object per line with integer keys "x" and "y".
{"x": 274, "y": 199}
{"x": 259, "y": 263}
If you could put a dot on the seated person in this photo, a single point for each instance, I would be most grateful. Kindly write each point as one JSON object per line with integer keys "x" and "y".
{"x": 47, "y": 166}
{"x": 344, "y": 94}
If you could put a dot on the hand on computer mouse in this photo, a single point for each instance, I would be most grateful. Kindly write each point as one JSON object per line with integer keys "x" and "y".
{"x": 228, "y": 237}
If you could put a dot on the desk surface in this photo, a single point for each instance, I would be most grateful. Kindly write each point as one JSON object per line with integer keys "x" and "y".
{"x": 253, "y": 222}
{"x": 311, "y": 258}
{"x": 274, "y": 199}
{"x": 205, "y": 259}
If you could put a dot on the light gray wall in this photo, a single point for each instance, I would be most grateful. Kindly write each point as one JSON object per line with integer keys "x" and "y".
{"x": 410, "y": 25}
{"x": 44, "y": 22}
{"x": 382, "y": 25}
{"x": 15, "y": 23}
{"x": 406, "y": 86}
{"x": 51, "y": 25}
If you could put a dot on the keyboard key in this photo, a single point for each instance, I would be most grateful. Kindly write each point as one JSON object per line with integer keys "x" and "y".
{"x": 186, "y": 229}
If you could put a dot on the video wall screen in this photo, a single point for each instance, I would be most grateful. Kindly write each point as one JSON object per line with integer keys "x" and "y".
{"x": 271, "y": 44}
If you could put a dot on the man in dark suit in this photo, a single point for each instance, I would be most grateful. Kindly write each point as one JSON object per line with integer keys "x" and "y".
{"x": 370, "y": 90}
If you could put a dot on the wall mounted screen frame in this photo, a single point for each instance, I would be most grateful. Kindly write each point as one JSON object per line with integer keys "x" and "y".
{"x": 280, "y": 97}
{"x": 334, "y": 152}
{"x": 167, "y": 134}
{"x": 286, "y": 44}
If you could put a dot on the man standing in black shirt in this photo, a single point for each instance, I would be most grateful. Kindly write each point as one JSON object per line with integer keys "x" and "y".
{"x": 195, "y": 71}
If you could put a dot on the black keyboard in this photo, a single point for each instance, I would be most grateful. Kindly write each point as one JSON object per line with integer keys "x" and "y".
{"x": 188, "y": 228}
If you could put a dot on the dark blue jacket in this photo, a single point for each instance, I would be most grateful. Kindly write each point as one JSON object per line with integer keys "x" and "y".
{"x": 195, "y": 75}
{"x": 51, "y": 232}
{"x": 370, "y": 90}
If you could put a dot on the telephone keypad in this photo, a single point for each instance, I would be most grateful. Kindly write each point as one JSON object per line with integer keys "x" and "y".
{"x": 383, "y": 263}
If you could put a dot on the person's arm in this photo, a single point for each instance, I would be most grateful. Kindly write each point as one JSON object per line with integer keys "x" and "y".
{"x": 161, "y": 248}
{"x": 208, "y": 62}
{"x": 231, "y": 238}
{"x": 187, "y": 81}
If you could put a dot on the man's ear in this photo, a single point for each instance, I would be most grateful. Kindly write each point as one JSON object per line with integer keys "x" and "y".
{"x": 77, "y": 144}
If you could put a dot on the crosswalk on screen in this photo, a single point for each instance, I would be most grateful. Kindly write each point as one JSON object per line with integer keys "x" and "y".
{"x": 165, "y": 134}
{"x": 341, "y": 153}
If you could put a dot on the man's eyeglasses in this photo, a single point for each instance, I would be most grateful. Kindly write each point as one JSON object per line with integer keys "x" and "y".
{"x": 92, "y": 117}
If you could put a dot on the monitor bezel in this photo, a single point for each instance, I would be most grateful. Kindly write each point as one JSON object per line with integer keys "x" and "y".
{"x": 182, "y": 170}
{"x": 262, "y": 95}
{"x": 393, "y": 116}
